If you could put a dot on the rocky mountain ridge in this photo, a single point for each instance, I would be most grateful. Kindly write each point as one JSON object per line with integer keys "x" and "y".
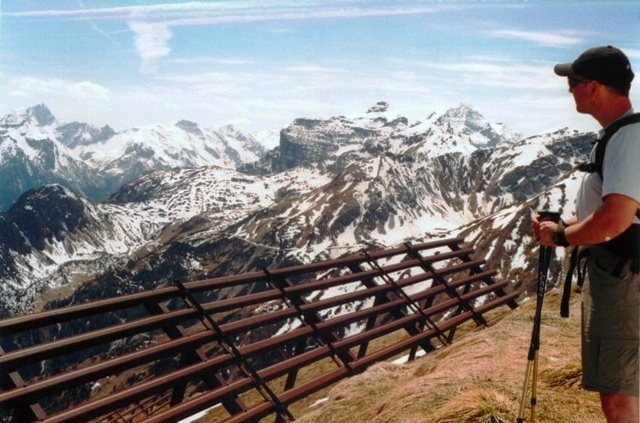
{"x": 36, "y": 149}
{"x": 332, "y": 187}
{"x": 460, "y": 129}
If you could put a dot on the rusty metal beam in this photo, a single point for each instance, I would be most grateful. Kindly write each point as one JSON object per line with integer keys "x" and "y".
{"x": 385, "y": 316}
{"x": 134, "y": 359}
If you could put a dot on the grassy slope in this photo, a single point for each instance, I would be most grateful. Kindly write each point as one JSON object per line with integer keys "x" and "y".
{"x": 478, "y": 378}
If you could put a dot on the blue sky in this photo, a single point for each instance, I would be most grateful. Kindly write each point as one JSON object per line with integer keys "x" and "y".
{"x": 260, "y": 64}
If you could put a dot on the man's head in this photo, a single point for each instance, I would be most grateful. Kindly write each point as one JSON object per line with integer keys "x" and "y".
{"x": 607, "y": 65}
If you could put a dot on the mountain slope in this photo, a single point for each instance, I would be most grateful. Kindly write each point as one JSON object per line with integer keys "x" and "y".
{"x": 381, "y": 131}
{"x": 134, "y": 152}
{"x": 32, "y": 156}
{"x": 478, "y": 378}
{"x": 331, "y": 188}
{"x": 36, "y": 149}
{"x": 51, "y": 230}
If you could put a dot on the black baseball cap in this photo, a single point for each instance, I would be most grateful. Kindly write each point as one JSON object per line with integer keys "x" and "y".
{"x": 607, "y": 65}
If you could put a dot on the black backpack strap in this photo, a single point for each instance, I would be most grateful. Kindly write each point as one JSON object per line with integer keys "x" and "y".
{"x": 577, "y": 256}
{"x": 608, "y": 133}
{"x": 566, "y": 290}
{"x": 601, "y": 146}
{"x": 628, "y": 240}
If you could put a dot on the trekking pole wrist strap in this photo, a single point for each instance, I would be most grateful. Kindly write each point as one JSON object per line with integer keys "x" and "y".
{"x": 558, "y": 237}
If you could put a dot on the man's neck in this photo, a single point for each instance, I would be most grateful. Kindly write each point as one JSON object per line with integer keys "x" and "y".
{"x": 612, "y": 111}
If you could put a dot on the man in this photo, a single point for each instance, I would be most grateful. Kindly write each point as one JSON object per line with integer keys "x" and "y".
{"x": 607, "y": 226}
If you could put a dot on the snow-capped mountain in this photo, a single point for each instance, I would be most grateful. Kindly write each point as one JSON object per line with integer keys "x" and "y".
{"x": 31, "y": 156}
{"x": 36, "y": 149}
{"x": 330, "y": 188}
{"x": 460, "y": 130}
{"x": 131, "y": 153}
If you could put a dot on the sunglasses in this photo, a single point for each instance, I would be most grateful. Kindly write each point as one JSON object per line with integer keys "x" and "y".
{"x": 573, "y": 81}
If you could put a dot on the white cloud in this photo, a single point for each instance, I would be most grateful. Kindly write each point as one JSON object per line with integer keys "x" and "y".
{"x": 152, "y": 43}
{"x": 215, "y": 60}
{"x": 233, "y": 11}
{"x": 260, "y": 14}
{"x": 68, "y": 100}
{"x": 551, "y": 39}
{"x": 474, "y": 72}
{"x": 271, "y": 101}
{"x": 152, "y": 24}
{"x": 89, "y": 91}
{"x": 31, "y": 87}
{"x": 312, "y": 69}
{"x": 631, "y": 53}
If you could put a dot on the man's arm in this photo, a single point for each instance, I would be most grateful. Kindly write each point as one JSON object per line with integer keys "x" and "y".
{"x": 609, "y": 221}
{"x": 571, "y": 221}
{"x": 535, "y": 224}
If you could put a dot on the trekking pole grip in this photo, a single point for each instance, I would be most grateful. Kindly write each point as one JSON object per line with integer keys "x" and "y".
{"x": 553, "y": 216}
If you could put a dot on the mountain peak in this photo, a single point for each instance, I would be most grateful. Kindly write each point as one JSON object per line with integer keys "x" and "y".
{"x": 41, "y": 114}
{"x": 464, "y": 112}
{"x": 380, "y": 107}
{"x": 189, "y": 126}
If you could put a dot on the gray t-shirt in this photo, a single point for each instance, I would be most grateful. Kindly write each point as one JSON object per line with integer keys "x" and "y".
{"x": 621, "y": 171}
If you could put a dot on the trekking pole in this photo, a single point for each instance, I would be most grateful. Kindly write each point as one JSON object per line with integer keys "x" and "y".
{"x": 534, "y": 345}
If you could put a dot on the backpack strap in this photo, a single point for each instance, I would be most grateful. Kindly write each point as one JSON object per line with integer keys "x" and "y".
{"x": 577, "y": 256}
{"x": 601, "y": 146}
{"x": 626, "y": 244}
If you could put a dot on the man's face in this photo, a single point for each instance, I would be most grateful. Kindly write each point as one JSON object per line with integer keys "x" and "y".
{"x": 581, "y": 90}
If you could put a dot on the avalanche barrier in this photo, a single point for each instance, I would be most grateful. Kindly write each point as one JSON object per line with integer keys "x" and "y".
{"x": 250, "y": 344}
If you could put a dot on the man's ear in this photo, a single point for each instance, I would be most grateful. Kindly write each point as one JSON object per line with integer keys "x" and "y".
{"x": 594, "y": 86}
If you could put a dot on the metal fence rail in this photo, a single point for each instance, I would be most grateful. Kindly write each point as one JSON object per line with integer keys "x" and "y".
{"x": 252, "y": 344}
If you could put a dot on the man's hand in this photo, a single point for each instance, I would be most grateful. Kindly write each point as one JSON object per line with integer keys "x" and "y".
{"x": 535, "y": 225}
{"x": 547, "y": 228}
{"x": 542, "y": 229}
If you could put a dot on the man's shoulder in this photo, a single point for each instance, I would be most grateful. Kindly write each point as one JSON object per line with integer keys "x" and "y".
{"x": 626, "y": 126}
{"x": 631, "y": 130}
{"x": 624, "y": 146}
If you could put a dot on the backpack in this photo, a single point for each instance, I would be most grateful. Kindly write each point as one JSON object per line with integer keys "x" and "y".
{"x": 627, "y": 243}
{"x": 601, "y": 146}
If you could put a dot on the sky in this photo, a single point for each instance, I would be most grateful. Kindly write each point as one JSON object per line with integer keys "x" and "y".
{"x": 258, "y": 65}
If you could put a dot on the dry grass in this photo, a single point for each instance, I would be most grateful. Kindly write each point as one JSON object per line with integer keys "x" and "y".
{"x": 477, "y": 379}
